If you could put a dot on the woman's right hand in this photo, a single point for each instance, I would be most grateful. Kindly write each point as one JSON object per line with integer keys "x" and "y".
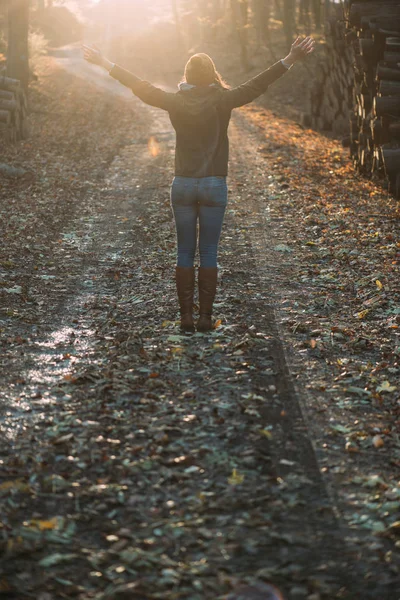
{"x": 93, "y": 55}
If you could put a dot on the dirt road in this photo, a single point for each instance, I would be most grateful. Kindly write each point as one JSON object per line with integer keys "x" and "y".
{"x": 140, "y": 463}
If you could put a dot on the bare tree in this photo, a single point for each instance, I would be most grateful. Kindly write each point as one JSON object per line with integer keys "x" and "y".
{"x": 278, "y": 10}
{"x": 240, "y": 18}
{"x": 288, "y": 19}
{"x": 216, "y": 13}
{"x": 179, "y": 32}
{"x": 261, "y": 13}
{"x": 203, "y": 18}
{"x": 17, "y": 50}
{"x": 304, "y": 13}
{"x": 316, "y": 6}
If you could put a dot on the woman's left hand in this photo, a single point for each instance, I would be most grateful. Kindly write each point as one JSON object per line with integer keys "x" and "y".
{"x": 300, "y": 49}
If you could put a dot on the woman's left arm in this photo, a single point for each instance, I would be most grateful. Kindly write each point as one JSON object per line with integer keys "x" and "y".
{"x": 144, "y": 90}
{"x": 252, "y": 89}
{"x": 299, "y": 50}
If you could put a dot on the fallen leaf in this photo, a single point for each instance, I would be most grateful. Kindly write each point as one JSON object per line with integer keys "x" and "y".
{"x": 362, "y": 314}
{"x": 386, "y": 387}
{"x": 63, "y": 439}
{"x": 45, "y": 525}
{"x": 377, "y": 441}
{"x": 266, "y": 433}
{"x": 56, "y": 559}
{"x": 282, "y": 248}
{"x": 236, "y": 478}
{"x": 17, "y": 484}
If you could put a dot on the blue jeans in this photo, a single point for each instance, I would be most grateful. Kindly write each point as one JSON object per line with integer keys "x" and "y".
{"x": 204, "y": 200}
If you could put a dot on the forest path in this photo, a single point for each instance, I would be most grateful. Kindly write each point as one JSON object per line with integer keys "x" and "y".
{"x": 132, "y": 453}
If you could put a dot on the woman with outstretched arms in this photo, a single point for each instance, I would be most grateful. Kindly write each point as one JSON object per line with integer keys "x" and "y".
{"x": 200, "y": 112}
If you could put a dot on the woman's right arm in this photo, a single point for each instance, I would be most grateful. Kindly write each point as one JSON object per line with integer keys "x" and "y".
{"x": 144, "y": 90}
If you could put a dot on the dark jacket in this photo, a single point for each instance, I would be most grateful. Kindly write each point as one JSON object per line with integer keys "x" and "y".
{"x": 200, "y": 117}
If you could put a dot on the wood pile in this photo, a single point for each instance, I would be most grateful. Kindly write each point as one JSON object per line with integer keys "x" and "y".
{"x": 374, "y": 34}
{"x": 13, "y": 110}
{"x": 356, "y": 89}
{"x": 331, "y": 93}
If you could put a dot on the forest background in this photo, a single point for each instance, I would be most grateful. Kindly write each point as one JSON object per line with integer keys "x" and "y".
{"x": 155, "y": 39}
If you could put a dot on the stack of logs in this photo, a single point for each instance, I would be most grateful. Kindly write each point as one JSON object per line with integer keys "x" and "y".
{"x": 374, "y": 34}
{"x": 13, "y": 110}
{"x": 331, "y": 93}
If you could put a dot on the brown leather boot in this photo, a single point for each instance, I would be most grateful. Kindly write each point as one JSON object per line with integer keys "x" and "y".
{"x": 185, "y": 287}
{"x": 207, "y": 287}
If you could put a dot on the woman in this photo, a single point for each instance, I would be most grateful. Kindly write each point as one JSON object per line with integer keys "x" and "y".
{"x": 200, "y": 112}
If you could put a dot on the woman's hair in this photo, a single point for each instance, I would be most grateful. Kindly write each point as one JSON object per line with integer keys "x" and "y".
{"x": 200, "y": 70}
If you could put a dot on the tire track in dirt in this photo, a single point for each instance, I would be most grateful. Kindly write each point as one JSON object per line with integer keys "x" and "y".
{"x": 252, "y": 185}
{"x": 248, "y": 174}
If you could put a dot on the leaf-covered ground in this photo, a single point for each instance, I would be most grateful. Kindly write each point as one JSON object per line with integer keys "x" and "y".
{"x": 339, "y": 303}
{"x": 140, "y": 463}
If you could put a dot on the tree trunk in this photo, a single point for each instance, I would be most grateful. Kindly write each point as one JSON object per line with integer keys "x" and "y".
{"x": 391, "y": 160}
{"x": 327, "y": 9}
{"x": 392, "y": 59}
{"x": 316, "y": 6}
{"x": 372, "y": 9}
{"x": 11, "y": 85}
{"x": 10, "y": 105}
{"x": 261, "y": 10}
{"x": 389, "y": 88}
{"x": 394, "y": 129}
{"x": 202, "y": 15}
{"x": 6, "y": 95}
{"x": 239, "y": 10}
{"x": 304, "y": 13}
{"x": 5, "y": 116}
{"x": 386, "y": 106}
{"x": 288, "y": 20}
{"x": 278, "y": 11}
{"x": 384, "y": 72}
{"x": 17, "y": 51}
{"x": 386, "y": 23}
{"x": 217, "y": 10}
{"x": 179, "y": 33}
{"x": 214, "y": 14}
